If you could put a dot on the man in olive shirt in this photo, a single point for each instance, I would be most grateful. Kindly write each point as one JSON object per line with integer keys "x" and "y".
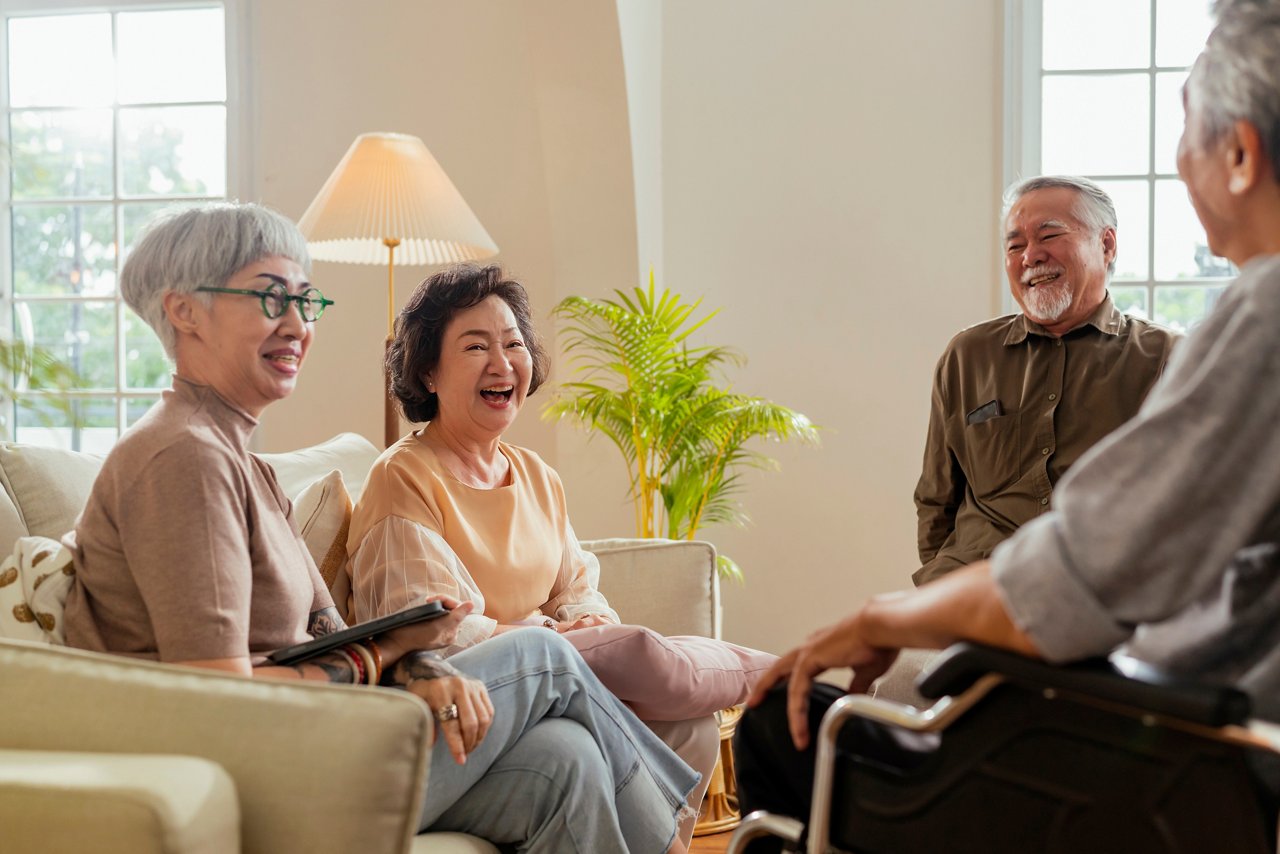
{"x": 1017, "y": 400}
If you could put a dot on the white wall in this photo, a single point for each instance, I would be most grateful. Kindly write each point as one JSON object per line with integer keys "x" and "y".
{"x": 827, "y": 172}
{"x": 830, "y": 178}
{"x": 524, "y": 107}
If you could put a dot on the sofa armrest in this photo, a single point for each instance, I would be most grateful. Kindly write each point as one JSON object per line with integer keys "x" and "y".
{"x": 116, "y": 803}
{"x": 671, "y": 586}
{"x": 317, "y": 767}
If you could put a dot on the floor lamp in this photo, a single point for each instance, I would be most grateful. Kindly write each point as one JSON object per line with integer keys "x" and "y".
{"x": 387, "y": 194}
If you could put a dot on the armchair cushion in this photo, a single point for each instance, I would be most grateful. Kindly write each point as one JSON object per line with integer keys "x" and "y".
{"x": 670, "y": 586}
{"x": 316, "y": 767}
{"x": 116, "y": 804}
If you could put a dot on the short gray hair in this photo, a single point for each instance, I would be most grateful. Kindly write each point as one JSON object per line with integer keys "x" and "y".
{"x": 1096, "y": 208}
{"x": 1235, "y": 77}
{"x": 187, "y": 248}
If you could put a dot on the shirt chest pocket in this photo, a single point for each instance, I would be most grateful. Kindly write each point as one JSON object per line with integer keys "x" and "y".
{"x": 992, "y": 454}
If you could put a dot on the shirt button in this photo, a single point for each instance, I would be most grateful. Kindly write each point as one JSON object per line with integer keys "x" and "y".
{"x": 1044, "y": 501}
{"x": 1053, "y": 397}
{"x": 1044, "y": 451}
{"x": 1059, "y": 342}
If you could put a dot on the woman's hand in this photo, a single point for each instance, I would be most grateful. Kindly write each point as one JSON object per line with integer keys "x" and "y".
{"x": 582, "y": 623}
{"x": 460, "y": 704}
{"x": 475, "y": 711}
{"x": 429, "y": 634}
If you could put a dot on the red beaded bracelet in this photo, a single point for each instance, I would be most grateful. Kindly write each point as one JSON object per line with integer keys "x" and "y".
{"x": 357, "y": 666}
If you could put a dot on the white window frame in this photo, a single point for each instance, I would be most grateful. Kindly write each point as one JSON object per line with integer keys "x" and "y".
{"x": 240, "y": 166}
{"x": 1023, "y": 30}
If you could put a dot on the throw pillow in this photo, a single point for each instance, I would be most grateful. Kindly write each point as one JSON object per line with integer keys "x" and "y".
{"x": 322, "y": 512}
{"x": 349, "y": 453}
{"x": 50, "y": 486}
{"x": 34, "y": 581}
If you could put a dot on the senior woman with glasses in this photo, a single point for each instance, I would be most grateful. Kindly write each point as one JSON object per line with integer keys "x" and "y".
{"x": 186, "y": 553}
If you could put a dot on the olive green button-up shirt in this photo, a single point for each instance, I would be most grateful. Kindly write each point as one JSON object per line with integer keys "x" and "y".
{"x": 1013, "y": 408}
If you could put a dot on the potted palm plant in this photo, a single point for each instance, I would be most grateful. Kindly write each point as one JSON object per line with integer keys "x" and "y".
{"x": 684, "y": 436}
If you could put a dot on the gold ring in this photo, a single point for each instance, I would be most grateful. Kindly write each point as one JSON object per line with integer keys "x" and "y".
{"x": 446, "y": 713}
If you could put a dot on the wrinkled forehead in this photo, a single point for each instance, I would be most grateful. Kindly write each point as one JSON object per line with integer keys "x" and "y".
{"x": 1047, "y": 207}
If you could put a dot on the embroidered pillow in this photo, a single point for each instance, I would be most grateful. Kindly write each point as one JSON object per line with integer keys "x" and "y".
{"x": 34, "y": 581}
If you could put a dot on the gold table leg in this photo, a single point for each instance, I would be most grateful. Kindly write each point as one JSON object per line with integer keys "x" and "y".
{"x": 720, "y": 807}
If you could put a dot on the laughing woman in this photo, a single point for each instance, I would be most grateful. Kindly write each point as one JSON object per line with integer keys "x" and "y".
{"x": 453, "y": 509}
{"x": 187, "y": 553}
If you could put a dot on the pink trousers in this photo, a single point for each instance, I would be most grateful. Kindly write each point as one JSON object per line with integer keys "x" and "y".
{"x": 669, "y": 678}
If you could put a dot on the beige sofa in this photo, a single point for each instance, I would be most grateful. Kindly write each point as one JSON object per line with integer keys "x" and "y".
{"x": 103, "y": 754}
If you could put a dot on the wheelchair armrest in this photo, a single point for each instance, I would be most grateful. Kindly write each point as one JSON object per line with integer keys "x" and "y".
{"x": 1120, "y": 680}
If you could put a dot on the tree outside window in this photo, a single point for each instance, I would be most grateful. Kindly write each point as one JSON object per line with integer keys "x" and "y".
{"x": 110, "y": 117}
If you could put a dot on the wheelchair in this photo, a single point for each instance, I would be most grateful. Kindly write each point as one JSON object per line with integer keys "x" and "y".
{"x": 1108, "y": 755}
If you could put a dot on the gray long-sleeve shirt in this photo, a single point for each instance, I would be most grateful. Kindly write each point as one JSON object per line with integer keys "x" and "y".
{"x": 1167, "y": 534}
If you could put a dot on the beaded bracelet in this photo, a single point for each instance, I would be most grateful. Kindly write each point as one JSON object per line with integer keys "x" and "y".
{"x": 357, "y": 666}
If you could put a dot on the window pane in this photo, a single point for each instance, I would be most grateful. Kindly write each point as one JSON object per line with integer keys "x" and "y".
{"x": 174, "y": 151}
{"x": 1181, "y": 28}
{"x": 1181, "y": 248}
{"x": 1168, "y": 119}
{"x": 61, "y": 154}
{"x": 1182, "y": 307}
{"x": 60, "y": 61}
{"x": 1130, "y": 300}
{"x": 81, "y": 334}
{"x": 1097, "y": 34}
{"x": 1095, "y": 125}
{"x": 136, "y": 407}
{"x": 145, "y": 365}
{"x": 1133, "y": 228}
{"x": 151, "y": 45}
{"x": 61, "y": 250}
{"x": 84, "y": 425}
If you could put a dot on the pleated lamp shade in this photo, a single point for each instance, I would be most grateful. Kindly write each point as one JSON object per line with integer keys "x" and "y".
{"x": 389, "y": 186}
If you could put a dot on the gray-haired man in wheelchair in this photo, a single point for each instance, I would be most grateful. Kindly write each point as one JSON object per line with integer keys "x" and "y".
{"x": 1164, "y": 538}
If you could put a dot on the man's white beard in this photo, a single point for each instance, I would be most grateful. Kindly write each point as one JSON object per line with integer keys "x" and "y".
{"x": 1046, "y": 304}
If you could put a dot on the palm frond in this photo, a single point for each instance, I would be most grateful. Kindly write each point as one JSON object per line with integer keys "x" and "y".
{"x": 25, "y": 367}
{"x": 640, "y": 381}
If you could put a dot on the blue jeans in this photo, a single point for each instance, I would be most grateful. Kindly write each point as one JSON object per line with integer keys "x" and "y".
{"x": 565, "y": 766}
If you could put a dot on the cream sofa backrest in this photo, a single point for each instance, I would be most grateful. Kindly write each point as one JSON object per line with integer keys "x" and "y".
{"x": 670, "y": 586}
{"x": 45, "y": 488}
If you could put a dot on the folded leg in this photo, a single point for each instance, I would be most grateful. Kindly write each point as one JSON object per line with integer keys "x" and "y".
{"x": 669, "y": 678}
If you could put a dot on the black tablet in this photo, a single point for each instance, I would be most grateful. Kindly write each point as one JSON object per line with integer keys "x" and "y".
{"x": 302, "y": 651}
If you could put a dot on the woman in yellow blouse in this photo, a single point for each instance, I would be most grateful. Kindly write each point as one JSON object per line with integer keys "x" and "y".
{"x": 452, "y": 509}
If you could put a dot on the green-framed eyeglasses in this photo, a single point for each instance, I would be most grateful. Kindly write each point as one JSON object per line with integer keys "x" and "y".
{"x": 275, "y": 299}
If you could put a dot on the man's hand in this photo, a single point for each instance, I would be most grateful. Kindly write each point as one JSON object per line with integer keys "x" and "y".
{"x": 964, "y": 605}
{"x": 839, "y": 645}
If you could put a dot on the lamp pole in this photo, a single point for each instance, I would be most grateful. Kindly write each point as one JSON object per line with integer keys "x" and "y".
{"x": 390, "y": 418}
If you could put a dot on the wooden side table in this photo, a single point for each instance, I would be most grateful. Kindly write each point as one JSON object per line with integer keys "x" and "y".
{"x": 720, "y": 806}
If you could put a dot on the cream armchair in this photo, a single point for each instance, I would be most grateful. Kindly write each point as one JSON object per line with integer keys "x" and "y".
{"x": 99, "y": 753}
